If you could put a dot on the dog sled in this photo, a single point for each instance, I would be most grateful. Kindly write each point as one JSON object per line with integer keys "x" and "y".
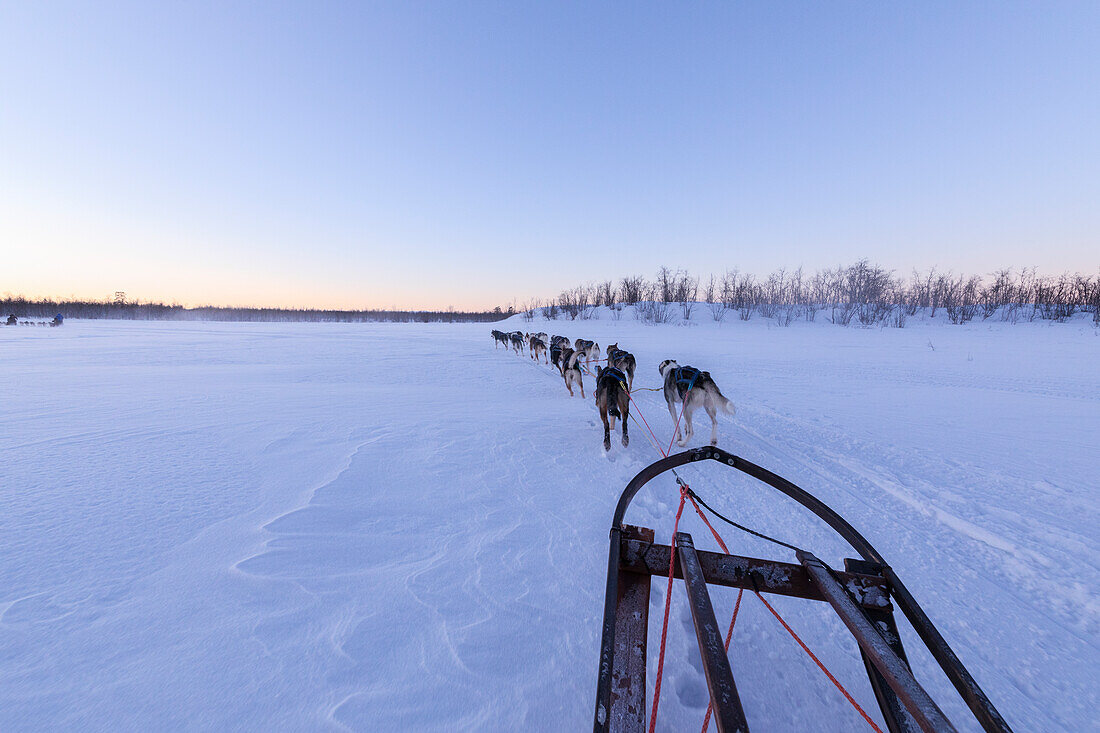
{"x": 863, "y": 596}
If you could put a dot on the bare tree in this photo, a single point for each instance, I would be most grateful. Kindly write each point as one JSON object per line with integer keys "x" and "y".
{"x": 606, "y": 293}
{"x": 632, "y": 289}
{"x": 686, "y": 292}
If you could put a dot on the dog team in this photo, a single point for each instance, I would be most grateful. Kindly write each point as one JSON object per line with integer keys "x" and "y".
{"x": 684, "y": 385}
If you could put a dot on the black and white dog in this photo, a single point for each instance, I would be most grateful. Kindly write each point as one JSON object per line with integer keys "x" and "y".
{"x": 623, "y": 361}
{"x": 571, "y": 370}
{"x": 499, "y": 337}
{"x": 538, "y": 347}
{"x": 589, "y": 350}
{"x": 560, "y": 341}
{"x": 517, "y": 341}
{"x": 555, "y": 358}
{"x": 694, "y": 388}
{"x": 613, "y": 401}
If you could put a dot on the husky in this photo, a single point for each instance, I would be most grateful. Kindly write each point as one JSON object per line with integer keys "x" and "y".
{"x": 623, "y": 361}
{"x": 543, "y": 337}
{"x": 571, "y": 370}
{"x": 694, "y": 388}
{"x": 556, "y": 360}
{"x": 538, "y": 347}
{"x": 560, "y": 341}
{"x": 589, "y": 350}
{"x": 499, "y": 337}
{"x": 517, "y": 341}
{"x": 613, "y": 400}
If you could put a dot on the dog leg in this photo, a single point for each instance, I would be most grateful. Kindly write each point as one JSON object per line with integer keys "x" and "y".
{"x": 625, "y": 410}
{"x": 606, "y": 428}
{"x": 675, "y": 419}
{"x": 689, "y": 430}
{"x": 713, "y": 422}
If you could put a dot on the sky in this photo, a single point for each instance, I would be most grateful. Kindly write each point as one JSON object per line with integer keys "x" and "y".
{"x": 472, "y": 154}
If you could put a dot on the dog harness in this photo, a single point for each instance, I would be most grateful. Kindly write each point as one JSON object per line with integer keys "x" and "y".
{"x": 614, "y": 354}
{"x": 685, "y": 377}
{"x": 615, "y": 374}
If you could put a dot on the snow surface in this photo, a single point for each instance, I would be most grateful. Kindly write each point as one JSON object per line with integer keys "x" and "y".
{"x": 398, "y": 527}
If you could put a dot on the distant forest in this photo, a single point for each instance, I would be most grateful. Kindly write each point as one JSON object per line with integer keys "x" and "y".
{"x": 121, "y": 308}
{"x": 861, "y": 293}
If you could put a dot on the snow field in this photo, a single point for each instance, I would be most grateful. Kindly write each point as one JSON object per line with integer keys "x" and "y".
{"x": 380, "y": 527}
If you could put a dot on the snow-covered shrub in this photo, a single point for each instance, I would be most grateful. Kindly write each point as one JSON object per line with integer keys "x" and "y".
{"x": 654, "y": 311}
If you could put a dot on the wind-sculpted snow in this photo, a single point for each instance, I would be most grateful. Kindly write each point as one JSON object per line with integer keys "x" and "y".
{"x": 399, "y": 527}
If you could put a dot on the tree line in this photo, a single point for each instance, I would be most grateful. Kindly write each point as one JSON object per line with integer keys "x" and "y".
{"x": 152, "y": 311}
{"x": 860, "y": 293}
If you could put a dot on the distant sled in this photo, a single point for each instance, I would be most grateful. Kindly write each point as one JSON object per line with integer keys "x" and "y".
{"x": 861, "y": 596}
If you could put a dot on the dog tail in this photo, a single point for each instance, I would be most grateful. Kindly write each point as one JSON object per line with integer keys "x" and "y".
{"x": 724, "y": 403}
{"x": 614, "y": 389}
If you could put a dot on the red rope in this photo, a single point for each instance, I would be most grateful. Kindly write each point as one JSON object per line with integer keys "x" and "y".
{"x": 676, "y": 430}
{"x": 819, "y": 664}
{"x": 706, "y": 720}
{"x": 642, "y": 415}
{"x": 668, "y": 602}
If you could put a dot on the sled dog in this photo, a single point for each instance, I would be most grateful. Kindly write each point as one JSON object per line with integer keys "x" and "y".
{"x": 694, "y": 388}
{"x": 589, "y": 350}
{"x": 517, "y": 341}
{"x": 538, "y": 348}
{"x": 623, "y": 361}
{"x": 571, "y": 370}
{"x": 613, "y": 401}
{"x": 556, "y": 360}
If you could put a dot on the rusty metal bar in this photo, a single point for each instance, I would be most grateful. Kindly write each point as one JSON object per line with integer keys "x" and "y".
{"x": 734, "y": 571}
{"x": 728, "y": 715}
{"x": 918, "y": 702}
{"x": 601, "y": 721}
{"x": 628, "y": 708}
{"x": 897, "y": 718}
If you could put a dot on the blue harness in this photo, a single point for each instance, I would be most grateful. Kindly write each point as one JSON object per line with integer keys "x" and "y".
{"x": 615, "y": 354}
{"x": 615, "y": 374}
{"x": 685, "y": 375}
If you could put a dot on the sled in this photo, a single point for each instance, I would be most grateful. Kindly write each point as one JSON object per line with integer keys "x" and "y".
{"x": 863, "y": 596}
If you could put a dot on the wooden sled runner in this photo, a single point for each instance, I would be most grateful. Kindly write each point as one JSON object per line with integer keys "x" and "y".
{"x": 863, "y": 596}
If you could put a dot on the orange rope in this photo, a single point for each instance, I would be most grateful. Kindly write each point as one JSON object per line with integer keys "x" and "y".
{"x": 819, "y": 664}
{"x": 668, "y": 602}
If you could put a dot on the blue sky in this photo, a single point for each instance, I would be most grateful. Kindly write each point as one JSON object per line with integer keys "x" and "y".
{"x": 468, "y": 154}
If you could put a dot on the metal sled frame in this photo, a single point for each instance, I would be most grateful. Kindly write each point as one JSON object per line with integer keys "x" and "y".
{"x": 861, "y": 596}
